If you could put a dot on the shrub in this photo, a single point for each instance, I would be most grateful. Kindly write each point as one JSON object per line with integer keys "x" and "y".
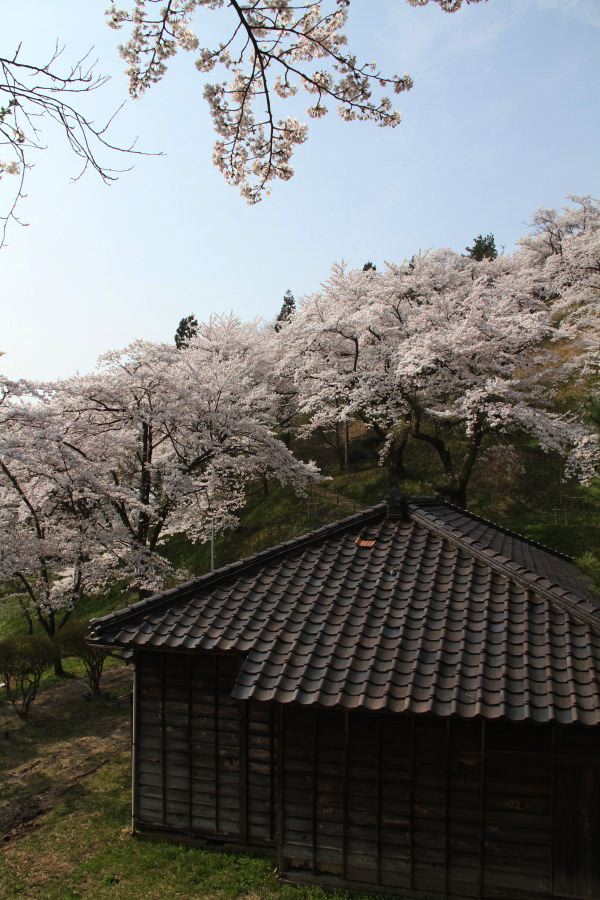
{"x": 590, "y": 563}
{"x": 72, "y": 643}
{"x": 23, "y": 661}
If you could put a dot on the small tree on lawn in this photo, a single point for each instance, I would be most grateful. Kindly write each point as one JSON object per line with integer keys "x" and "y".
{"x": 73, "y": 643}
{"x": 23, "y": 661}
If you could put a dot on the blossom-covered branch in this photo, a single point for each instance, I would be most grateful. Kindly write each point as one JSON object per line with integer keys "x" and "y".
{"x": 272, "y": 48}
{"x": 449, "y": 6}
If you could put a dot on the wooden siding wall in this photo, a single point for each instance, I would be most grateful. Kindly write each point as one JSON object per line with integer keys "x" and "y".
{"x": 203, "y": 762}
{"x": 450, "y": 808}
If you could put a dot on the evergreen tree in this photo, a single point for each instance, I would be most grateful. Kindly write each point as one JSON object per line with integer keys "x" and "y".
{"x": 186, "y": 330}
{"x": 287, "y": 310}
{"x": 483, "y": 248}
{"x": 369, "y": 266}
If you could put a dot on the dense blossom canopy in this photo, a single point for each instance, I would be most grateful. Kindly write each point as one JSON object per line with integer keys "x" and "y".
{"x": 447, "y": 341}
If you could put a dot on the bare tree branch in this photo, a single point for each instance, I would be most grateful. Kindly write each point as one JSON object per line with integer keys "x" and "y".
{"x": 33, "y": 95}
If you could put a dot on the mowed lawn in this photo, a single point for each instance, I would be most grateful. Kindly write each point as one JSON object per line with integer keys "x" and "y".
{"x": 65, "y": 811}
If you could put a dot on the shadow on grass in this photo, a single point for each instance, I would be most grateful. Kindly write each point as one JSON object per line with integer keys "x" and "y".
{"x": 61, "y": 715}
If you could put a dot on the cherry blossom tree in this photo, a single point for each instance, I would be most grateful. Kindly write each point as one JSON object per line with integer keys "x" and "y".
{"x": 48, "y": 546}
{"x": 338, "y": 360}
{"x": 463, "y": 360}
{"x": 450, "y": 347}
{"x": 169, "y": 441}
{"x": 561, "y": 254}
{"x": 97, "y": 471}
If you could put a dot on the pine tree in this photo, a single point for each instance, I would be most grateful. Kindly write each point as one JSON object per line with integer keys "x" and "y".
{"x": 186, "y": 330}
{"x": 369, "y": 266}
{"x": 483, "y": 248}
{"x": 287, "y": 310}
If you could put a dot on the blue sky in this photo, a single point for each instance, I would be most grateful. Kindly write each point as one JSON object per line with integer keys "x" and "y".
{"x": 503, "y": 118}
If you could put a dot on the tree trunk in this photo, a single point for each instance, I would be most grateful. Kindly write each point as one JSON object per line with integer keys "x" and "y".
{"x": 334, "y": 444}
{"x": 466, "y": 469}
{"x": 461, "y": 496}
{"x": 396, "y": 461}
{"x": 455, "y": 493}
{"x": 346, "y": 448}
{"x": 455, "y": 486}
{"x": 58, "y": 667}
{"x": 49, "y": 626}
{"x": 435, "y": 441}
{"x": 26, "y": 616}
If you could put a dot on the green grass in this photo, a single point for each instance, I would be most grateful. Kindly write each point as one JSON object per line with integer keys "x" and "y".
{"x": 71, "y": 765}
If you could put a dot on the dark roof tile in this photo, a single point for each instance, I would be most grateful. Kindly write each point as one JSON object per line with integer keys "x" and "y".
{"x": 445, "y": 613}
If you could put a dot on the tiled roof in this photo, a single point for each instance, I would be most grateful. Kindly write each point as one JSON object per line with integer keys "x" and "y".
{"x": 427, "y": 610}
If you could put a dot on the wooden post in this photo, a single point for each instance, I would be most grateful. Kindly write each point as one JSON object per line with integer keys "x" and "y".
{"x": 553, "y": 813}
{"x": 163, "y": 733}
{"x": 134, "y": 740}
{"x": 243, "y": 727}
{"x": 447, "y": 806}
{"x": 345, "y": 796}
{"x": 379, "y": 792}
{"x": 413, "y": 742}
{"x": 482, "y": 813}
{"x": 272, "y": 775}
{"x": 280, "y": 819}
{"x": 216, "y": 737}
{"x": 189, "y": 745}
{"x": 346, "y": 448}
{"x": 314, "y": 788}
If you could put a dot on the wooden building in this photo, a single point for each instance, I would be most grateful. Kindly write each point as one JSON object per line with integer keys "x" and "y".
{"x": 406, "y": 701}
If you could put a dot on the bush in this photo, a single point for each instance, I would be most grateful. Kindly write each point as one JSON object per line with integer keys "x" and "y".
{"x": 590, "y": 563}
{"x": 23, "y": 661}
{"x": 72, "y": 642}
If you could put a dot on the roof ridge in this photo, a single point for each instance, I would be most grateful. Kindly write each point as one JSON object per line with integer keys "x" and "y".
{"x": 501, "y": 528}
{"x": 182, "y": 590}
{"x": 566, "y": 600}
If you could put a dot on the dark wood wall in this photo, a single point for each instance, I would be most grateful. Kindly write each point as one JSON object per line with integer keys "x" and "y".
{"x": 448, "y": 807}
{"x": 460, "y": 809}
{"x": 203, "y": 762}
